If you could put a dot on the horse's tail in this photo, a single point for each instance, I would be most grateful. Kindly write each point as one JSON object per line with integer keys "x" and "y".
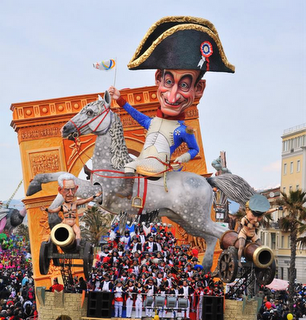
{"x": 234, "y": 187}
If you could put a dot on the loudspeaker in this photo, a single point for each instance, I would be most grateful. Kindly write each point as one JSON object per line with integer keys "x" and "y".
{"x": 160, "y": 301}
{"x": 212, "y": 308}
{"x": 171, "y": 302}
{"x": 100, "y": 304}
{"x": 182, "y": 303}
{"x": 149, "y": 301}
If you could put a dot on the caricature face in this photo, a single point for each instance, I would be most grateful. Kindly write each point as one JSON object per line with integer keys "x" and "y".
{"x": 177, "y": 90}
{"x": 252, "y": 218}
{"x": 68, "y": 190}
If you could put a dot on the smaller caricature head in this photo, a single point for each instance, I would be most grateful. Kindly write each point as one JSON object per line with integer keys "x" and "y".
{"x": 256, "y": 207}
{"x": 250, "y": 215}
{"x": 177, "y": 89}
{"x": 67, "y": 186}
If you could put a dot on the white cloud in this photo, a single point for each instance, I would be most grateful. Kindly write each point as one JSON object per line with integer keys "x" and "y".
{"x": 273, "y": 167}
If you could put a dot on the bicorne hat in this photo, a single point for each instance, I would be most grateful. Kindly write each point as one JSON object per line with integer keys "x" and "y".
{"x": 181, "y": 42}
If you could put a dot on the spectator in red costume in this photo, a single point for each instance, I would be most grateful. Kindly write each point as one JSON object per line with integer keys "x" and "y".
{"x": 56, "y": 286}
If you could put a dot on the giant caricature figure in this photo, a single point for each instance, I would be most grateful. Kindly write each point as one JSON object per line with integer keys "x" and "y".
{"x": 177, "y": 90}
{"x": 182, "y": 49}
{"x": 67, "y": 188}
{"x": 255, "y": 209}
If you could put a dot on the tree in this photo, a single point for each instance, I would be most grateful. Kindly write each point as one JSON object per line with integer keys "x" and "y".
{"x": 293, "y": 222}
{"x": 23, "y": 231}
{"x": 97, "y": 223}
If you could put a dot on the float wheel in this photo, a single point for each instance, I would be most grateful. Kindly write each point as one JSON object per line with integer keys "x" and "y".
{"x": 87, "y": 259}
{"x": 44, "y": 260}
{"x": 228, "y": 265}
{"x": 266, "y": 275}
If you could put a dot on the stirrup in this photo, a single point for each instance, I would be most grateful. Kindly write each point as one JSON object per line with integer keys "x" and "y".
{"x": 146, "y": 173}
{"x": 135, "y": 200}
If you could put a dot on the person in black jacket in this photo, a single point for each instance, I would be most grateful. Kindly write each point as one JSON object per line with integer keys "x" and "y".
{"x": 151, "y": 245}
{"x": 136, "y": 244}
{"x": 82, "y": 285}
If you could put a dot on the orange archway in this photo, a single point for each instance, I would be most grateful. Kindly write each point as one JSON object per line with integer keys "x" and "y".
{"x": 42, "y": 150}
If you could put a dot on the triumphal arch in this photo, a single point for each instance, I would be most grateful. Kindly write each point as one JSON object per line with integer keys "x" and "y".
{"x": 42, "y": 150}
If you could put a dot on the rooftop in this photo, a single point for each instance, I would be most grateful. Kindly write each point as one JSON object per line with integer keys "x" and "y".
{"x": 295, "y": 129}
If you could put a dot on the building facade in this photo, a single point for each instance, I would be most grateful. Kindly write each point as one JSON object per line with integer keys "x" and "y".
{"x": 279, "y": 242}
{"x": 293, "y": 176}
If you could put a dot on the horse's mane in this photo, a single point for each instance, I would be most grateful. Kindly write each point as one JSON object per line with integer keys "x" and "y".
{"x": 119, "y": 151}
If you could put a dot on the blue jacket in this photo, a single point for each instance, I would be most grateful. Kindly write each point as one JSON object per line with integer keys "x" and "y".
{"x": 179, "y": 135}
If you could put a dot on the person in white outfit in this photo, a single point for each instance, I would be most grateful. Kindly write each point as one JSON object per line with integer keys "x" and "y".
{"x": 139, "y": 291}
{"x": 129, "y": 298}
{"x": 118, "y": 296}
{"x": 150, "y": 291}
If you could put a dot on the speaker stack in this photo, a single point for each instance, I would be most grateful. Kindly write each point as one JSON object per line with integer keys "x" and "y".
{"x": 213, "y": 308}
{"x": 100, "y": 304}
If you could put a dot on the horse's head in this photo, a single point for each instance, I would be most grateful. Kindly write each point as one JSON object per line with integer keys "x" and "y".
{"x": 93, "y": 118}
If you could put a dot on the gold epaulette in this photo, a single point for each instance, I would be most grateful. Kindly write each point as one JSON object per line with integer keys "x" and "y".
{"x": 189, "y": 130}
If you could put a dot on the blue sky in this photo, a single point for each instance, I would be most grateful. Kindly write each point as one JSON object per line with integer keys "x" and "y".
{"x": 48, "y": 47}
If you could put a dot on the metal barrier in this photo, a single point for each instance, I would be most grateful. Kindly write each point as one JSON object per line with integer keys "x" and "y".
{"x": 167, "y": 306}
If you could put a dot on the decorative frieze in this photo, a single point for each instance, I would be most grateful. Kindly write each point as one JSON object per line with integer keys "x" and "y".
{"x": 40, "y": 132}
{"x": 44, "y": 161}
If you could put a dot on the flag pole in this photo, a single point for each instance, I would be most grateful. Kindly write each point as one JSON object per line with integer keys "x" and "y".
{"x": 115, "y": 72}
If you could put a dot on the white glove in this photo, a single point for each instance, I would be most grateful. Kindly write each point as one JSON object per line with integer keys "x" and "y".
{"x": 181, "y": 159}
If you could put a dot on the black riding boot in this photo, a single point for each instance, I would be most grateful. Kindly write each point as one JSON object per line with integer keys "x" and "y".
{"x": 127, "y": 189}
{"x": 78, "y": 244}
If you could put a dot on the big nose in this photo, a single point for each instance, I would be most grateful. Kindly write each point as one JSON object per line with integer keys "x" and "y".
{"x": 173, "y": 94}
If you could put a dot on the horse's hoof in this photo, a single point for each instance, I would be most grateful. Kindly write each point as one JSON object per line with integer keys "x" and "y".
{"x": 33, "y": 188}
{"x": 87, "y": 171}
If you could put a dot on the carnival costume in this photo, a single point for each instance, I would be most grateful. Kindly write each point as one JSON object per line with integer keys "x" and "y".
{"x": 162, "y": 138}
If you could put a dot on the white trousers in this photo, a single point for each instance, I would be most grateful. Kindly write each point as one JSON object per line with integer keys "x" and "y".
{"x": 129, "y": 307}
{"x": 138, "y": 307}
{"x": 118, "y": 309}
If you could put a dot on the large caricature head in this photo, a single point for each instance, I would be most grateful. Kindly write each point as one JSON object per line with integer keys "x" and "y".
{"x": 182, "y": 49}
{"x": 177, "y": 89}
{"x": 67, "y": 186}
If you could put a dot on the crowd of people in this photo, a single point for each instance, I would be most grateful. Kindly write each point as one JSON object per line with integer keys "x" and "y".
{"x": 275, "y": 304}
{"x": 138, "y": 265}
{"x": 146, "y": 261}
{"x": 17, "y": 293}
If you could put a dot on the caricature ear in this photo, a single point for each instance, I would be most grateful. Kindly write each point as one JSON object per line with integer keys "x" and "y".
{"x": 158, "y": 76}
{"x": 107, "y": 99}
{"x": 199, "y": 89}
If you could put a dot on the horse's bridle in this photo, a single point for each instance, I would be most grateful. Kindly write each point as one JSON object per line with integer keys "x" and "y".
{"x": 78, "y": 133}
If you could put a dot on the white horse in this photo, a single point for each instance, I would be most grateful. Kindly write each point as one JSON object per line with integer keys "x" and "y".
{"x": 188, "y": 201}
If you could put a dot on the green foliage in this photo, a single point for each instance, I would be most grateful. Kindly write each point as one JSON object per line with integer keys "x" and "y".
{"x": 97, "y": 223}
{"x": 294, "y": 222}
{"x": 295, "y": 211}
